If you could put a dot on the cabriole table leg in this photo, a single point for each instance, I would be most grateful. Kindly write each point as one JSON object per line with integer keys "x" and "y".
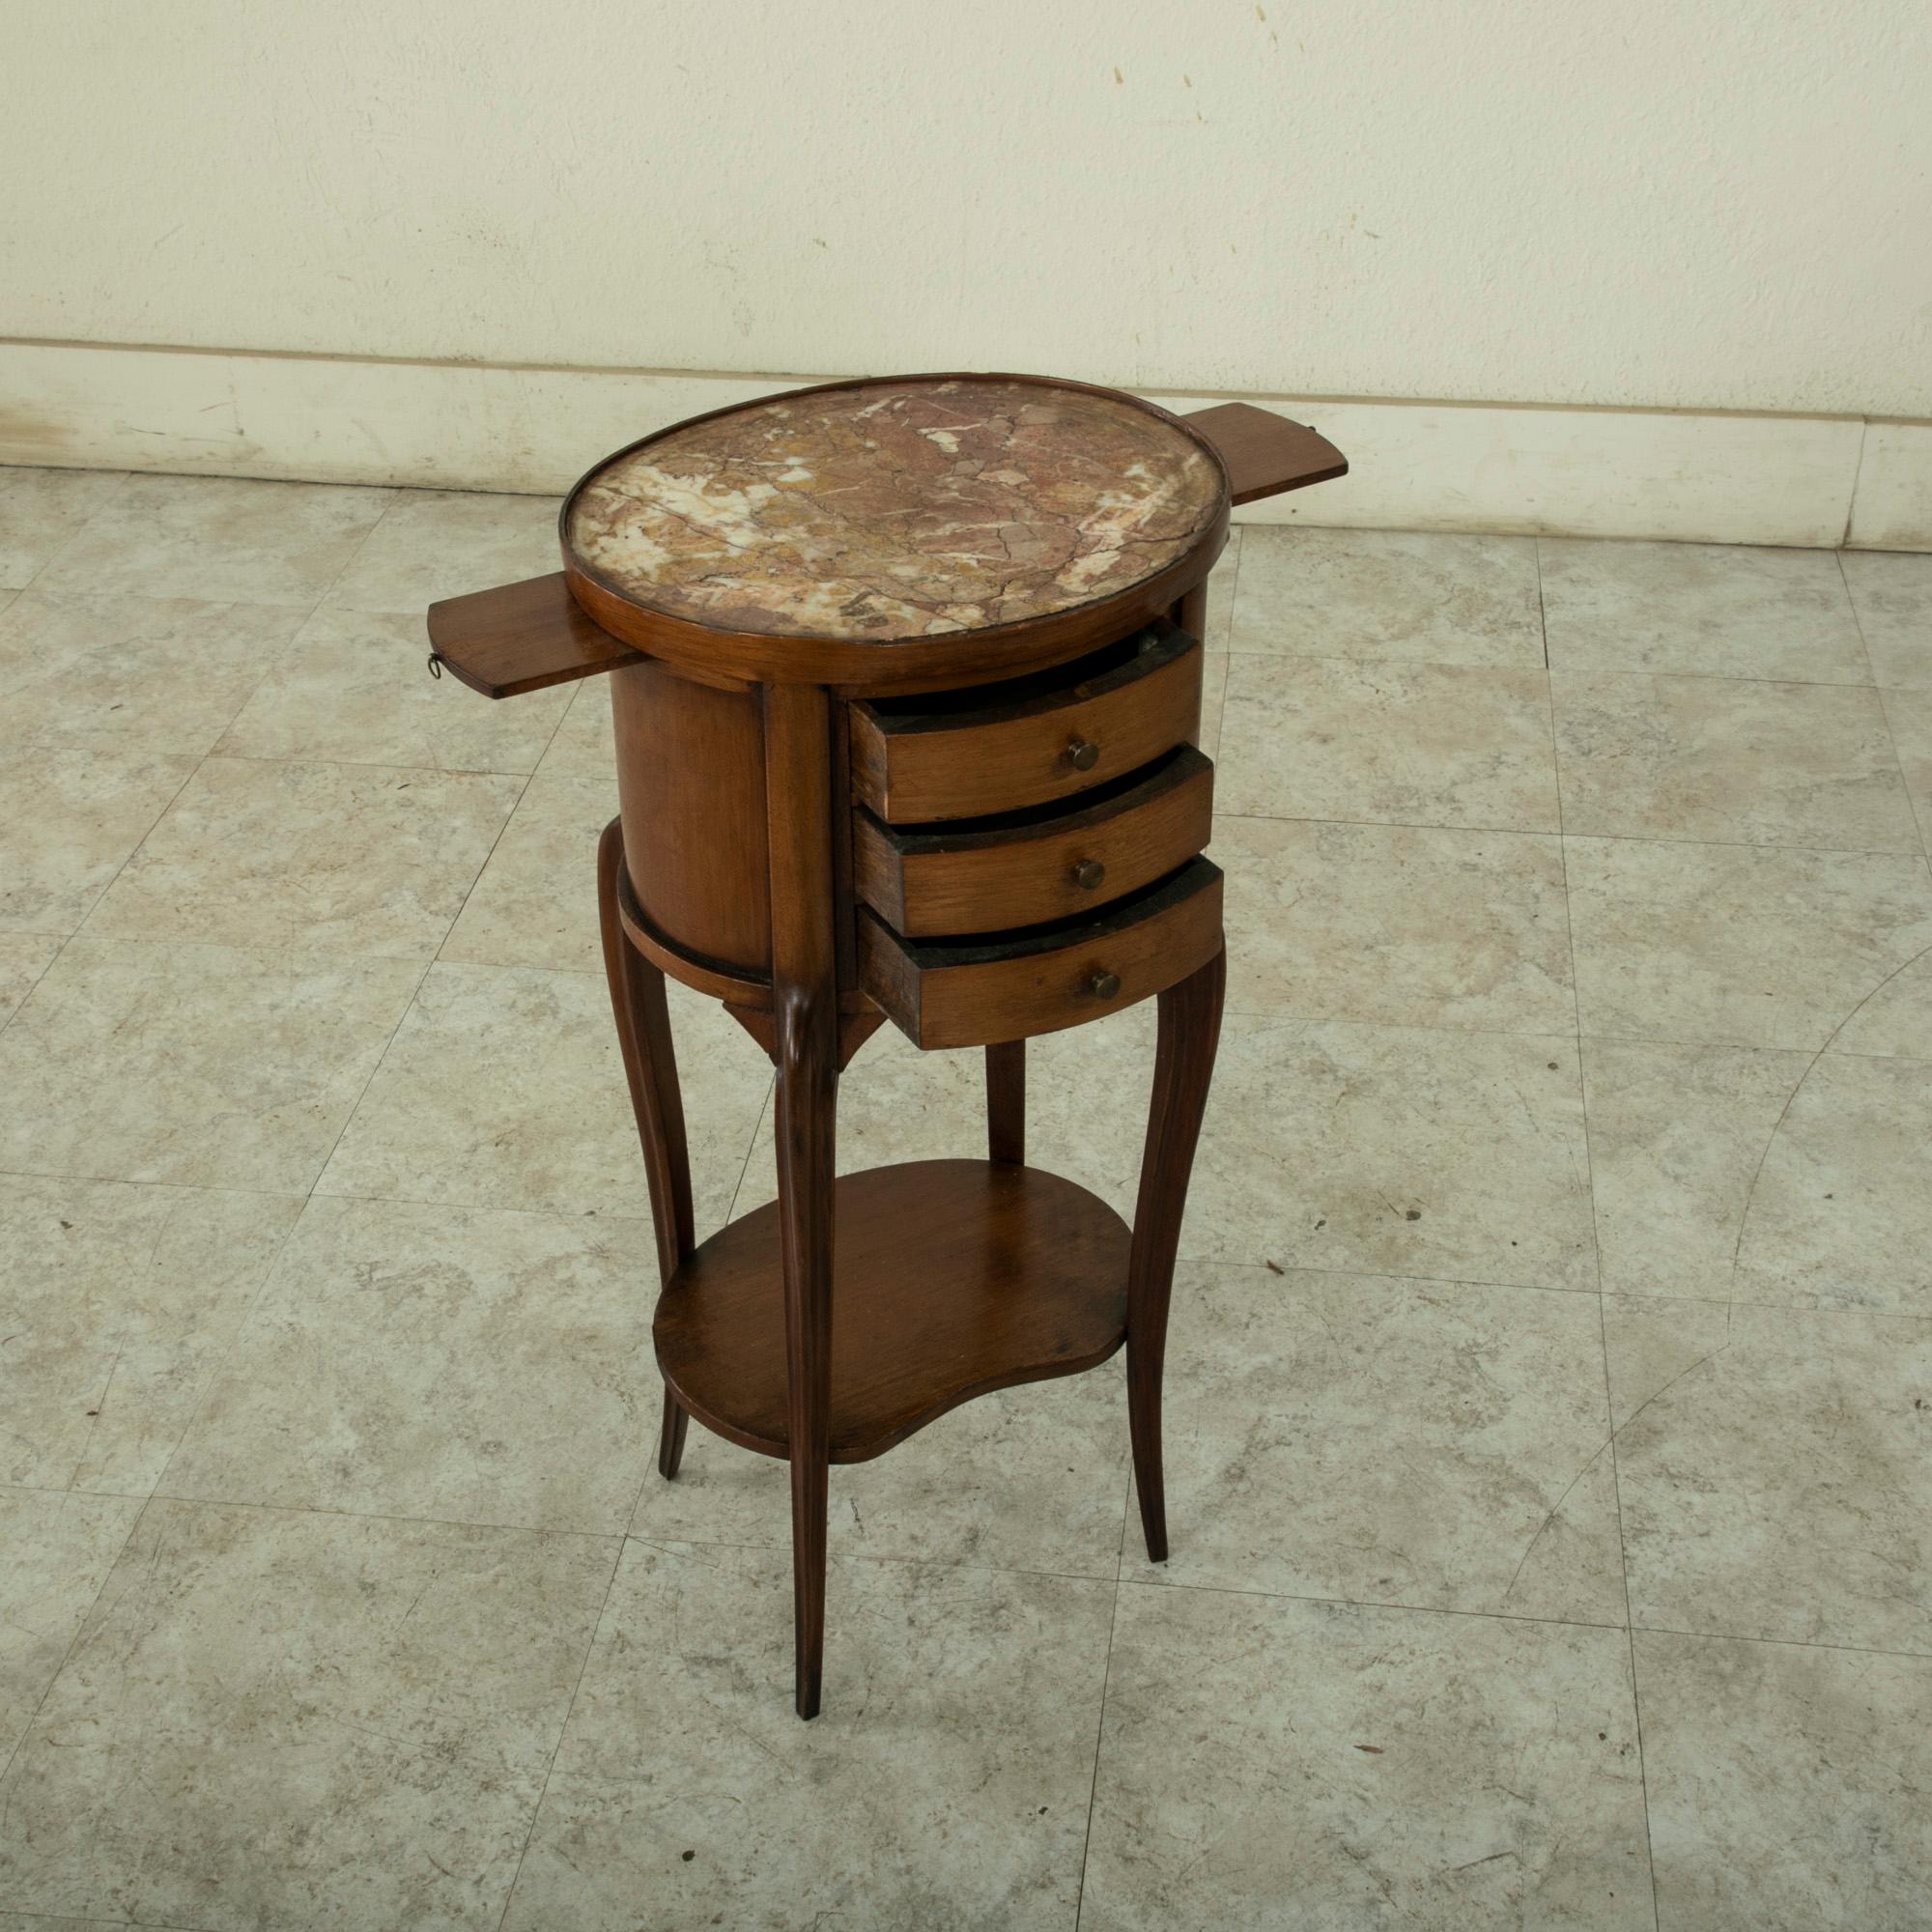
{"x": 798, "y": 788}
{"x": 1190, "y": 1029}
{"x": 642, "y": 1015}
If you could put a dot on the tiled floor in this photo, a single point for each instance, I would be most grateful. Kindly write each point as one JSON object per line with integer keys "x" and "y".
{"x": 1550, "y": 1387}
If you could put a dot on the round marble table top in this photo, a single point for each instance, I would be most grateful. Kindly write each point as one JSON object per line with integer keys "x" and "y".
{"x": 897, "y": 509}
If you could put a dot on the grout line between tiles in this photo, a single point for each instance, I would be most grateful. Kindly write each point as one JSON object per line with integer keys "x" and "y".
{"x": 222, "y": 1355}
{"x": 73, "y": 1643}
{"x": 307, "y": 612}
{"x": 1593, "y": 837}
{"x": 562, "y": 1731}
{"x": 1602, "y": 1311}
{"x": 63, "y": 1918}
{"x": 1629, "y": 1635}
{"x": 226, "y": 757}
{"x": 47, "y": 564}
{"x": 1922, "y": 820}
{"x": 1542, "y": 609}
{"x": 1852, "y": 496}
{"x": 1783, "y": 1642}
{"x": 1095, "y": 1579}
{"x": 1543, "y": 667}
{"x": 1106, "y": 1680}
{"x": 1368, "y": 1604}
{"x": 162, "y": 1495}
{"x": 1228, "y": 674}
{"x": 60, "y": 947}
{"x": 187, "y": 779}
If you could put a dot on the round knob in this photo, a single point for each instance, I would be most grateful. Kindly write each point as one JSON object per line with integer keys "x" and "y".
{"x": 1082, "y": 754}
{"x": 1089, "y": 873}
{"x": 1104, "y": 985}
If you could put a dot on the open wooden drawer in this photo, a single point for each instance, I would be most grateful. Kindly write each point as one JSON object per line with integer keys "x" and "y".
{"x": 972, "y": 992}
{"x": 968, "y": 754}
{"x": 1026, "y": 868}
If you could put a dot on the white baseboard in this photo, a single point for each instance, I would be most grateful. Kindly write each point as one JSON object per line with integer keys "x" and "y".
{"x": 1713, "y": 477}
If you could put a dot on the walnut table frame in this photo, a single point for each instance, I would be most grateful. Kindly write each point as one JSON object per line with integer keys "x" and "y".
{"x": 906, "y": 679}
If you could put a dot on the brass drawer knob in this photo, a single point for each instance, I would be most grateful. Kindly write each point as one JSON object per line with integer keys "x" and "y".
{"x": 1089, "y": 873}
{"x": 1082, "y": 754}
{"x": 1104, "y": 985}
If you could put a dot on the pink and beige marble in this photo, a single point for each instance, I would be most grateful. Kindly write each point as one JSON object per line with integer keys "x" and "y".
{"x": 897, "y": 509}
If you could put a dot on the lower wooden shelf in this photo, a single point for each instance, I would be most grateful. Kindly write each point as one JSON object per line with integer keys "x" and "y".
{"x": 951, "y": 1278}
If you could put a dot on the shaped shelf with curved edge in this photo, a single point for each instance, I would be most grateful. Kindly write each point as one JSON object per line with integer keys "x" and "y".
{"x": 951, "y": 1278}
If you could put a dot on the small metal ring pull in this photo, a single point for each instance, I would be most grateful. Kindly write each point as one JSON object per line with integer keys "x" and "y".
{"x": 1089, "y": 873}
{"x": 1104, "y": 985}
{"x": 435, "y": 665}
{"x": 1082, "y": 754}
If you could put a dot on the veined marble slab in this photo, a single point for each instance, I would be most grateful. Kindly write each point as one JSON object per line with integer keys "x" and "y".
{"x": 898, "y": 509}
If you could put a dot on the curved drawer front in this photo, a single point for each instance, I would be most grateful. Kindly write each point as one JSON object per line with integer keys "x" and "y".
{"x": 970, "y": 993}
{"x": 1024, "y": 869}
{"x": 917, "y": 759}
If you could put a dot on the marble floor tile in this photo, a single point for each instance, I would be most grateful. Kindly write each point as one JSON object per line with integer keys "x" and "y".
{"x": 584, "y": 743}
{"x": 36, "y": 1921}
{"x": 354, "y": 688}
{"x": 1787, "y": 1785}
{"x": 1894, "y": 1019}
{"x": 1029, "y": 1478}
{"x": 116, "y": 1301}
{"x": 433, "y": 544}
{"x": 1395, "y": 1151}
{"x": 69, "y": 820}
{"x": 364, "y": 859}
{"x": 1762, "y": 1176}
{"x": 1425, "y": 598}
{"x": 1397, "y": 744}
{"x": 503, "y": 1089}
{"x": 133, "y": 673}
{"x": 58, "y": 1548}
{"x": 1773, "y": 1471}
{"x": 945, "y": 1784}
{"x": 1727, "y": 945}
{"x": 1841, "y": 1216}
{"x": 218, "y": 537}
{"x": 1677, "y": 1136}
{"x": 446, "y": 1362}
{"x": 24, "y": 957}
{"x": 1909, "y": 712}
{"x": 1442, "y": 1446}
{"x": 1729, "y": 759}
{"x": 205, "y": 1065}
{"x": 1705, "y": 610}
{"x": 1265, "y": 1763}
{"x": 1402, "y": 924}
{"x": 290, "y": 1718}
{"x": 40, "y": 509}
{"x": 535, "y": 902}
{"x": 1891, "y": 592}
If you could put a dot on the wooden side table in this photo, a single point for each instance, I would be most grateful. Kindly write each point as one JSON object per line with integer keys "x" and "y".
{"x": 906, "y": 679}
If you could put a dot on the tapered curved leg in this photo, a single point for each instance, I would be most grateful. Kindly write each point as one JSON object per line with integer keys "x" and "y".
{"x": 798, "y": 783}
{"x": 650, "y": 1066}
{"x": 1190, "y": 1029}
{"x": 1005, "y": 1101}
